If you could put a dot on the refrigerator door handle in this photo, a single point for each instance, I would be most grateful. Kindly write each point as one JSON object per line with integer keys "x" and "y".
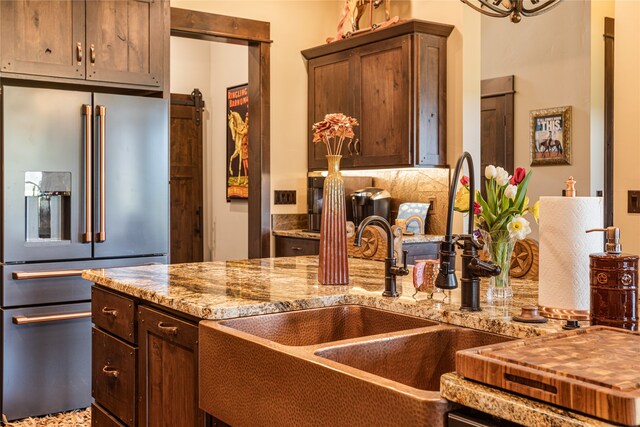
{"x": 30, "y": 275}
{"x": 87, "y": 236}
{"x": 25, "y": 320}
{"x": 101, "y": 112}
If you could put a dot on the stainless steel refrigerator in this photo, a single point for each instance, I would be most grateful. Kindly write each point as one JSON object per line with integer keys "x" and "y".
{"x": 85, "y": 185}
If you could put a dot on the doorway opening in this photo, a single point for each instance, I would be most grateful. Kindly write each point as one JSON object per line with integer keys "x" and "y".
{"x": 228, "y": 33}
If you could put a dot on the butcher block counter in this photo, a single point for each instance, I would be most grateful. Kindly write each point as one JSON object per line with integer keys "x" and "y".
{"x": 164, "y": 303}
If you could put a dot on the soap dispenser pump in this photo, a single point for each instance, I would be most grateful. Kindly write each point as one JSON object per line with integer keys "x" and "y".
{"x": 613, "y": 278}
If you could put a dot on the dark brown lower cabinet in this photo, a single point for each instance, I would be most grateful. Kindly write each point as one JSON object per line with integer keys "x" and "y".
{"x": 113, "y": 375}
{"x": 152, "y": 381}
{"x": 294, "y": 246}
{"x": 101, "y": 418}
{"x": 169, "y": 367}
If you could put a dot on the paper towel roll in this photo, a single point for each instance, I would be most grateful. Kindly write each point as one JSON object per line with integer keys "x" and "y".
{"x": 564, "y": 252}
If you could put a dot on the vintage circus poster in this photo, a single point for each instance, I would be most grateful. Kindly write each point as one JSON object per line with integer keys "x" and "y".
{"x": 238, "y": 142}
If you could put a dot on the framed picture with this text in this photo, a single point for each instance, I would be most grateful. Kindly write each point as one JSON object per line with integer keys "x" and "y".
{"x": 238, "y": 142}
{"x": 550, "y": 136}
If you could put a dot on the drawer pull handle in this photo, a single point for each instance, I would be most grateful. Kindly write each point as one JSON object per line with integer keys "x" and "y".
{"x": 296, "y": 248}
{"x": 29, "y": 275}
{"x": 167, "y": 329}
{"x": 108, "y": 371}
{"x": 25, "y": 320}
{"x": 109, "y": 311}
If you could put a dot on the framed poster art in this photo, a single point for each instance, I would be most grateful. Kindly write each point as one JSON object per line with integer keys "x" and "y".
{"x": 550, "y": 136}
{"x": 238, "y": 142}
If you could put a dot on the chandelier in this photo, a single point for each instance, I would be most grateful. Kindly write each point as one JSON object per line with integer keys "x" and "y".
{"x": 514, "y": 8}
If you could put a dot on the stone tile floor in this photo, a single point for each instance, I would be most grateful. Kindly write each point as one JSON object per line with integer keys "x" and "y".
{"x": 80, "y": 418}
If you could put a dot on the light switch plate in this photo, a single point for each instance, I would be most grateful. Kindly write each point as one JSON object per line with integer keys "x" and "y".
{"x": 284, "y": 197}
{"x": 633, "y": 203}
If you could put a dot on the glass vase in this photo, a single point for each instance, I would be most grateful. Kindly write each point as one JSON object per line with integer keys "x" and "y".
{"x": 333, "y": 267}
{"x": 499, "y": 246}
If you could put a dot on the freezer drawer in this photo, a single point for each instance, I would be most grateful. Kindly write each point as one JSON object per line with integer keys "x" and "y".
{"x": 56, "y": 282}
{"x": 46, "y": 365}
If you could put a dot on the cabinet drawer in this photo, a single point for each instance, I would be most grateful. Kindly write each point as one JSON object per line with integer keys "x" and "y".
{"x": 113, "y": 313}
{"x": 113, "y": 375}
{"x": 292, "y": 246}
{"x": 101, "y": 418}
{"x": 169, "y": 327}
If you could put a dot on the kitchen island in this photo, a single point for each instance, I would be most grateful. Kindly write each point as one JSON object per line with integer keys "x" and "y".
{"x": 167, "y": 301}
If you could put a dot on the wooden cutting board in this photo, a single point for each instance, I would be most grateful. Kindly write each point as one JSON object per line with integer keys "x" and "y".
{"x": 593, "y": 370}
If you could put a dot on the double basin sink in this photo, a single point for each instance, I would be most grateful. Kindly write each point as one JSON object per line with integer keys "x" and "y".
{"x": 343, "y": 365}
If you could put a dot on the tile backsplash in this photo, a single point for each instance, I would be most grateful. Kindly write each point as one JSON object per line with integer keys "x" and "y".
{"x": 417, "y": 185}
{"x": 406, "y": 185}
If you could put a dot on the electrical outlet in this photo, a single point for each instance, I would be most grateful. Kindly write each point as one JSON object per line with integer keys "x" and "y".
{"x": 633, "y": 203}
{"x": 432, "y": 206}
{"x": 284, "y": 197}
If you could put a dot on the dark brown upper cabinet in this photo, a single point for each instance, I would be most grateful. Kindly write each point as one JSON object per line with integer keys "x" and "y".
{"x": 124, "y": 41}
{"x": 43, "y": 38}
{"x": 117, "y": 42}
{"x": 394, "y": 82}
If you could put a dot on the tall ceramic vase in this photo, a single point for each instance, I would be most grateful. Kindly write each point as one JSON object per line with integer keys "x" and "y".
{"x": 333, "y": 267}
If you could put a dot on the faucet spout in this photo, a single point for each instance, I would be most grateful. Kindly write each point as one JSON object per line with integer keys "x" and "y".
{"x": 390, "y": 268}
{"x": 472, "y": 267}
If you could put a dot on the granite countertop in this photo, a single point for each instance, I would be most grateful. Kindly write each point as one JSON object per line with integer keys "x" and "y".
{"x": 510, "y": 406}
{"x": 221, "y": 290}
{"x": 304, "y": 234}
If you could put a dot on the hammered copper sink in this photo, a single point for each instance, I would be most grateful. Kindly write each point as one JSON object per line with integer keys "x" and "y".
{"x": 335, "y": 366}
{"x": 317, "y": 326}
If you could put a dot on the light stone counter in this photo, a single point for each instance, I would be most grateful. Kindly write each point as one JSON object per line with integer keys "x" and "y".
{"x": 221, "y": 290}
{"x": 510, "y": 406}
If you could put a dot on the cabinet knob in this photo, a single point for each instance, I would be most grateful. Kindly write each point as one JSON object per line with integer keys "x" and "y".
{"x": 92, "y": 54}
{"x": 79, "y": 53}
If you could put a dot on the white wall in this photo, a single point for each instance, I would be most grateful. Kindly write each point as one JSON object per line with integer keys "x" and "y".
{"x": 627, "y": 120}
{"x": 295, "y": 26}
{"x": 551, "y": 58}
{"x": 212, "y": 67}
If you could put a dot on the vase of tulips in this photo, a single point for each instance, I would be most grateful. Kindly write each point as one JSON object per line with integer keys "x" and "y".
{"x": 500, "y": 219}
{"x": 334, "y": 131}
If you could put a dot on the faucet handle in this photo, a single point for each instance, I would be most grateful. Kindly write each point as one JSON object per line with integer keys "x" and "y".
{"x": 405, "y": 254}
{"x": 474, "y": 240}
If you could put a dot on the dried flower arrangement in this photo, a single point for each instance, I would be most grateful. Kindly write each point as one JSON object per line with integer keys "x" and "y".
{"x": 333, "y": 131}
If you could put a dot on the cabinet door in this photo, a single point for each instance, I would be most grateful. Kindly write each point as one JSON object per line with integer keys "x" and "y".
{"x": 168, "y": 370}
{"x": 42, "y": 37}
{"x": 385, "y": 104}
{"x": 124, "y": 41}
{"x": 431, "y": 117}
{"x": 332, "y": 89}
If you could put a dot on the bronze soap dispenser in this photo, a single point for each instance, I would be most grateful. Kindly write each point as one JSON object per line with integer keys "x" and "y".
{"x": 613, "y": 278}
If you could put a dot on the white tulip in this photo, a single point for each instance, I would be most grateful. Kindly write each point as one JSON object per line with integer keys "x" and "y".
{"x": 511, "y": 191}
{"x": 519, "y": 228}
{"x": 502, "y": 176}
{"x": 490, "y": 172}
